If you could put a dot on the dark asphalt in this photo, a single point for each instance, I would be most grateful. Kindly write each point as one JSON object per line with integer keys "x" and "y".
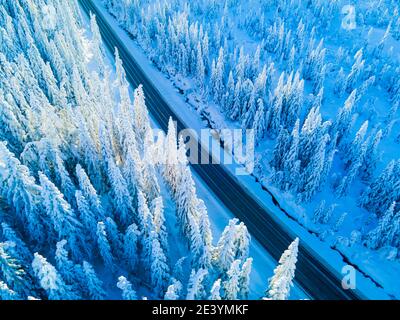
{"x": 312, "y": 273}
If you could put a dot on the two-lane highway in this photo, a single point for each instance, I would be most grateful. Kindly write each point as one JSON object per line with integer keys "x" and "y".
{"x": 313, "y": 274}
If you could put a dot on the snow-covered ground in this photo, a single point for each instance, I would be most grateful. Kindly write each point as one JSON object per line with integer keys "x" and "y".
{"x": 374, "y": 265}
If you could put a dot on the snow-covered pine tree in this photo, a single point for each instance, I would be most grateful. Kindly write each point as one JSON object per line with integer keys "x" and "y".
{"x": 173, "y": 291}
{"x": 343, "y": 121}
{"x": 200, "y": 68}
{"x": 171, "y": 150}
{"x": 340, "y": 83}
{"x": 63, "y": 180}
{"x": 97, "y": 45}
{"x": 215, "y": 293}
{"x": 114, "y": 237}
{"x": 122, "y": 199}
{"x": 10, "y": 235}
{"x": 104, "y": 247}
{"x": 94, "y": 286}
{"x": 141, "y": 115}
{"x": 383, "y": 190}
{"x": 195, "y": 289}
{"x": 225, "y": 251}
{"x": 354, "y": 149}
{"x": 12, "y": 272}
{"x": 89, "y": 193}
{"x": 280, "y": 149}
{"x": 231, "y": 285}
{"x": 86, "y": 217}
{"x": 372, "y": 158}
{"x": 62, "y": 217}
{"x": 22, "y": 193}
{"x": 50, "y": 280}
{"x": 244, "y": 279}
{"x": 131, "y": 246}
{"x": 159, "y": 268}
{"x": 259, "y": 125}
{"x": 356, "y": 71}
{"x": 128, "y": 293}
{"x": 282, "y": 280}
{"x": 159, "y": 222}
{"x": 6, "y": 293}
{"x": 217, "y": 77}
{"x": 290, "y": 161}
{"x": 65, "y": 266}
{"x": 379, "y": 237}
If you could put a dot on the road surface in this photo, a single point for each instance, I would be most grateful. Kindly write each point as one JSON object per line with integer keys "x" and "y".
{"x": 312, "y": 273}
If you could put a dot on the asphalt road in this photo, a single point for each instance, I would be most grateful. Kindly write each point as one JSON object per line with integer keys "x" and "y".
{"x": 312, "y": 273}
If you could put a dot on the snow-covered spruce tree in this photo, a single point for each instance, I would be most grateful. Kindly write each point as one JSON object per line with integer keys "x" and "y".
{"x": 231, "y": 285}
{"x": 234, "y": 111}
{"x": 149, "y": 180}
{"x": 383, "y": 190}
{"x": 346, "y": 182}
{"x": 22, "y": 193}
{"x": 13, "y": 125}
{"x": 87, "y": 217}
{"x": 228, "y": 99}
{"x": 291, "y": 163}
{"x": 64, "y": 265}
{"x": 281, "y": 146}
{"x": 225, "y": 251}
{"x": 282, "y": 280}
{"x": 171, "y": 149}
{"x": 200, "y": 68}
{"x": 206, "y": 236}
{"x": 143, "y": 211}
{"x": 195, "y": 289}
{"x": 340, "y": 83}
{"x": 89, "y": 153}
{"x": 353, "y": 151}
{"x": 128, "y": 293}
{"x": 173, "y": 291}
{"x": 50, "y": 280}
{"x": 356, "y": 71}
{"x": 319, "y": 212}
{"x": 104, "y": 247}
{"x": 6, "y": 293}
{"x": 114, "y": 237}
{"x": 63, "y": 180}
{"x": 98, "y": 48}
{"x": 244, "y": 279}
{"x": 94, "y": 286}
{"x": 89, "y": 193}
{"x": 159, "y": 268}
{"x": 381, "y": 235}
{"x": 259, "y": 125}
{"x": 62, "y": 216}
{"x": 122, "y": 200}
{"x": 141, "y": 115}
{"x": 159, "y": 222}
{"x": 312, "y": 176}
{"x": 186, "y": 201}
{"x": 12, "y": 272}
{"x": 372, "y": 158}
{"x": 343, "y": 121}
{"x": 21, "y": 247}
{"x": 131, "y": 239}
{"x": 215, "y": 293}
